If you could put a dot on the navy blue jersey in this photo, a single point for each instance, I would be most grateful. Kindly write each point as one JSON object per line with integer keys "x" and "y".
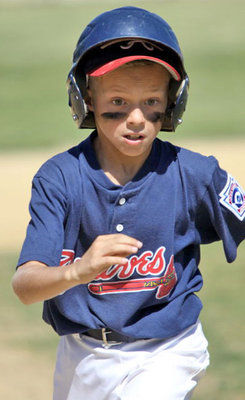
{"x": 178, "y": 200}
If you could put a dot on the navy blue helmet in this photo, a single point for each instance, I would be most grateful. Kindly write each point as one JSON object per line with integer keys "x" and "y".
{"x": 122, "y": 35}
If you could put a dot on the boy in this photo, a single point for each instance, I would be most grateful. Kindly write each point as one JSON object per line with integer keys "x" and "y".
{"x": 120, "y": 219}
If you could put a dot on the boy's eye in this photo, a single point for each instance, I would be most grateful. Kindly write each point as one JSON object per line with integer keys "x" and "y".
{"x": 151, "y": 102}
{"x": 118, "y": 102}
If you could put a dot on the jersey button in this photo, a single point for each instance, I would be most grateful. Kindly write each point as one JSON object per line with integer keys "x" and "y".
{"x": 122, "y": 201}
{"x": 119, "y": 228}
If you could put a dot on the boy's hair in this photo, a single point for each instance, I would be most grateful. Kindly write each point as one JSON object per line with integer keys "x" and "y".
{"x": 109, "y": 42}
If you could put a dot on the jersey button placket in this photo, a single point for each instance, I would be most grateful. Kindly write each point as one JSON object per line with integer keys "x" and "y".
{"x": 121, "y": 219}
{"x": 121, "y": 202}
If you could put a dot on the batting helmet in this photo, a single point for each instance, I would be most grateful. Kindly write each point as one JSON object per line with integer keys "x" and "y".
{"x": 119, "y": 36}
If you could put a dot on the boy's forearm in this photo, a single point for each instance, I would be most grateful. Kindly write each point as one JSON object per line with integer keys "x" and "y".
{"x": 34, "y": 282}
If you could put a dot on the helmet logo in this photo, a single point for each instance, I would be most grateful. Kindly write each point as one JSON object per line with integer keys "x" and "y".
{"x": 148, "y": 45}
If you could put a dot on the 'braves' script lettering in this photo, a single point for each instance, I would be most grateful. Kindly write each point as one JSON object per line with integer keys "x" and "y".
{"x": 147, "y": 264}
{"x": 151, "y": 273}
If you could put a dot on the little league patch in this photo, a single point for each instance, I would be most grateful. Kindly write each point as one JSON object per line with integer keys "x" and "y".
{"x": 233, "y": 198}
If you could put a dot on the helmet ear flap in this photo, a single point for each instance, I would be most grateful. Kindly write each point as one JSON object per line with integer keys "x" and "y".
{"x": 79, "y": 109}
{"x": 76, "y": 102}
{"x": 177, "y": 99}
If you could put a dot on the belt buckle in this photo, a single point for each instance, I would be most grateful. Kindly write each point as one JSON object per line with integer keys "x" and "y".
{"x": 105, "y": 343}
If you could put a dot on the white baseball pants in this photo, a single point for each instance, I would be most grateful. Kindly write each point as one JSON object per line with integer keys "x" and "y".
{"x": 157, "y": 369}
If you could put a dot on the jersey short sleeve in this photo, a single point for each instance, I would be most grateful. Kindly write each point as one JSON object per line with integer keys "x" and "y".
{"x": 221, "y": 213}
{"x": 45, "y": 232}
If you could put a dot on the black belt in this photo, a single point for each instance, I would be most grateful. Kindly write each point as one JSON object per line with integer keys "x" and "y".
{"x": 108, "y": 336}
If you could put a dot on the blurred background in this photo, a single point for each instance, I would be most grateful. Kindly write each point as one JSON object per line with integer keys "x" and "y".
{"x": 37, "y": 39}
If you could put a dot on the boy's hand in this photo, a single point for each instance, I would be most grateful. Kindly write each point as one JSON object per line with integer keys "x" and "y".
{"x": 105, "y": 251}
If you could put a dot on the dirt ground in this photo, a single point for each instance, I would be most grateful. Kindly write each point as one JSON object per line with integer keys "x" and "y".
{"x": 17, "y": 170}
{"x": 31, "y": 374}
{"x": 25, "y": 376}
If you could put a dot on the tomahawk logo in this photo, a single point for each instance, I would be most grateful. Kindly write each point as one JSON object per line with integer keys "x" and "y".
{"x": 164, "y": 279}
{"x": 67, "y": 257}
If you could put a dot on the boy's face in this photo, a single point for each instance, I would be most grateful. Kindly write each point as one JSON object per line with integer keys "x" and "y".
{"x": 128, "y": 104}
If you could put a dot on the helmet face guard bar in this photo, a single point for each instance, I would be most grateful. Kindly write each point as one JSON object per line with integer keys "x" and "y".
{"x": 134, "y": 32}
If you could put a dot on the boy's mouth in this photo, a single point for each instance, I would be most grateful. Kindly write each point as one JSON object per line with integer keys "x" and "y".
{"x": 134, "y": 137}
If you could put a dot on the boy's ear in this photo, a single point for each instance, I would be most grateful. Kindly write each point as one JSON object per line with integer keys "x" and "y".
{"x": 88, "y": 100}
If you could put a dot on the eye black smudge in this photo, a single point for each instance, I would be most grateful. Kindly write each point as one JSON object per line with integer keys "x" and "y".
{"x": 156, "y": 116}
{"x": 113, "y": 115}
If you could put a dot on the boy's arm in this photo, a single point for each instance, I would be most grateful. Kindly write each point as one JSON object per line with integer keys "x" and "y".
{"x": 35, "y": 281}
{"x": 221, "y": 213}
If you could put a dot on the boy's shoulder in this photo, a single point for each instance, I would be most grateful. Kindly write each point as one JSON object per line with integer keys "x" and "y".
{"x": 190, "y": 160}
{"x": 195, "y": 167}
{"x": 62, "y": 164}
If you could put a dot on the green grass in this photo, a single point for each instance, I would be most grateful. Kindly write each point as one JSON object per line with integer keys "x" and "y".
{"x": 38, "y": 39}
{"x": 223, "y": 297}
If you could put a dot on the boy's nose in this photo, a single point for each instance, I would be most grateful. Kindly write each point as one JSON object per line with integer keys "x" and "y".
{"x": 136, "y": 118}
